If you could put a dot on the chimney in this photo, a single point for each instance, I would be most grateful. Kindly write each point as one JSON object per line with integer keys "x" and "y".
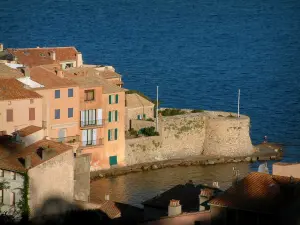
{"x": 205, "y": 195}
{"x": 1, "y": 47}
{"x": 53, "y": 55}
{"x": 79, "y": 59}
{"x": 174, "y": 208}
{"x": 60, "y": 73}
{"x": 106, "y": 197}
{"x": 26, "y": 72}
{"x": 27, "y": 162}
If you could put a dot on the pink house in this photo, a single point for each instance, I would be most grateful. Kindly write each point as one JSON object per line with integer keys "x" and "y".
{"x": 19, "y": 107}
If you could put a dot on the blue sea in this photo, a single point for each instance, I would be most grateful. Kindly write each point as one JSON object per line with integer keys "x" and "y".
{"x": 199, "y": 53}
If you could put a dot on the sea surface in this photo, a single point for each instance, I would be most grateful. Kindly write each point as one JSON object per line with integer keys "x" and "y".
{"x": 199, "y": 53}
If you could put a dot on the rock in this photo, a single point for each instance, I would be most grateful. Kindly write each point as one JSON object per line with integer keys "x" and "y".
{"x": 100, "y": 175}
{"x": 210, "y": 162}
{"x": 145, "y": 168}
{"x": 254, "y": 159}
{"x": 248, "y": 159}
{"x": 154, "y": 167}
{"x": 221, "y": 160}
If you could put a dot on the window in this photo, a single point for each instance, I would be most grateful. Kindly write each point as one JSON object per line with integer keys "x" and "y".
{"x": 139, "y": 117}
{"x": 57, "y": 114}
{"x": 89, "y": 137}
{"x": 113, "y": 99}
{"x": 113, "y": 116}
{"x": 12, "y": 198}
{"x": 70, "y": 92}
{"x": 1, "y": 173}
{"x": 9, "y": 115}
{"x": 57, "y": 93}
{"x": 112, "y": 134}
{"x": 31, "y": 113}
{"x": 13, "y": 175}
{"x": 88, "y": 117}
{"x": 31, "y": 101}
{"x": 89, "y": 95}
{"x": 70, "y": 112}
{"x": 69, "y": 65}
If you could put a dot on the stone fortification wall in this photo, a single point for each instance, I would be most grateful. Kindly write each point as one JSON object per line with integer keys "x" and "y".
{"x": 193, "y": 134}
{"x": 139, "y": 124}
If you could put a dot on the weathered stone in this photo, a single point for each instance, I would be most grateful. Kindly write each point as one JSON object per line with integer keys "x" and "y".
{"x": 154, "y": 167}
{"x": 210, "y": 162}
{"x": 221, "y": 160}
{"x": 145, "y": 168}
{"x": 248, "y": 159}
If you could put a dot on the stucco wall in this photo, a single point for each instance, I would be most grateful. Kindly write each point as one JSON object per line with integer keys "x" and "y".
{"x": 207, "y": 133}
{"x": 82, "y": 178}
{"x": 54, "y": 177}
{"x": 15, "y": 186}
{"x": 20, "y": 114}
{"x": 32, "y": 138}
{"x": 287, "y": 169}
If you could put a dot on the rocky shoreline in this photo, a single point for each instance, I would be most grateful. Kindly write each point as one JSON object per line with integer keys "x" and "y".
{"x": 268, "y": 151}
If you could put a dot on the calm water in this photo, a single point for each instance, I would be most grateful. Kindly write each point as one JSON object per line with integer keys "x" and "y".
{"x": 198, "y": 52}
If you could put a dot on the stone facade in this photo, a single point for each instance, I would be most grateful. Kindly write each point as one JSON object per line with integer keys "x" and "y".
{"x": 82, "y": 177}
{"x": 53, "y": 178}
{"x": 139, "y": 124}
{"x": 193, "y": 134}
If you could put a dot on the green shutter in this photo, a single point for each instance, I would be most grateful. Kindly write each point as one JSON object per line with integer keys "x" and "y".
{"x": 109, "y": 116}
{"x": 144, "y": 116}
{"x": 109, "y": 99}
{"x": 117, "y": 98}
{"x": 116, "y": 134}
{"x": 109, "y": 135}
{"x": 116, "y": 115}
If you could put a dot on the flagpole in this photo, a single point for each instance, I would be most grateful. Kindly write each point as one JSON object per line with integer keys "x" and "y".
{"x": 239, "y": 103}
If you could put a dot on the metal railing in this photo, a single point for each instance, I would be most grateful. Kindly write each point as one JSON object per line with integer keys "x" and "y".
{"x": 69, "y": 139}
{"x": 91, "y": 123}
{"x": 89, "y": 143}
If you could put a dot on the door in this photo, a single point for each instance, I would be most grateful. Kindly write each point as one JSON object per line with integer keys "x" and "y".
{"x": 62, "y": 133}
{"x": 113, "y": 160}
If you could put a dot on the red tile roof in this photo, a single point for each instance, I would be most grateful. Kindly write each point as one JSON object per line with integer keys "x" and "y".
{"x": 11, "y": 153}
{"x": 46, "y": 76}
{"x": 7, "y": 72}
{"x": 29, "y": 130}
{"x": 258, "y": 192}
{"x": 11, "y": 89}
{"x": 41, "y": 56}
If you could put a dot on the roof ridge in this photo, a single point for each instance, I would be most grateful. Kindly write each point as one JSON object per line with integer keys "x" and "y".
{"x": 39, "y": 48}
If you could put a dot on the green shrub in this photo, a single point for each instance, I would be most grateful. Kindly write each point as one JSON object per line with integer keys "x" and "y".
{"x": 172, "y": 112}
{"x": 230, "y": 115}
{"x": 197, "y": 110}
{"x": 149, "y": 131}
{"x": 150, "y": 119}
{"x": 133, "y": 132}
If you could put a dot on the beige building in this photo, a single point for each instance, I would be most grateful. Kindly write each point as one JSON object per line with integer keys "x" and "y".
{"x": 137, "y": 108}
{"x": 286, "y": 169}
{"x": 50, "y": 169}
{"x": 19, "y": 107}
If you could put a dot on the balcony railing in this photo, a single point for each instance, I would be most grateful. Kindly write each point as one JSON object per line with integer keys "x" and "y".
{"x": 91, "y": 143}
{"x": 91, "y": 123}
{"x": 69, "y": 139}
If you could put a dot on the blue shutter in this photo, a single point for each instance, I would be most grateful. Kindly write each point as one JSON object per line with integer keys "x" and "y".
{"x": 117, "y": 98}
{"x": 109, "y": 116}
{"x": 70, "y": 112}
{"x": 70, "y": 92}
{"x": 116, "y": 134}
{"x": 57, "y": 93}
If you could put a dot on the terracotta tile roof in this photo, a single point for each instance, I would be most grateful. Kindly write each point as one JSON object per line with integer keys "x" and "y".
{"x": 116, "y": 82}
{"x": 89, "y": 77}
{"x": 10, "y": 153}
{"x": 187, "y": 194}
{"x": 11, "y": 89}
{"x": 135, "y": 101}
{"x": 7, "y": 72}
{"x": 46, "y": 76}
{"x": 41, "y": 56}
{"x": 258, "y": 192}
{"x": 29, "y": 130}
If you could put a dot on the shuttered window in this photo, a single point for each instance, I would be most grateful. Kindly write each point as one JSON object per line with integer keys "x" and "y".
{"x": 9, "y": 115}
{"x": 57, "y": 94}
{"x": 117, "y": 98}
{"x": 109, "y": 135}
{"x": 70, "y": 92}
{"x": 109, "y": 99}
{"x": 109, "y": 116}
{"x": 70, "y": 112}
{"x": 116, "y": 115}
{"x": 89, "y": 95}
{"x": 116, "y": 134}
{"x": 57, "y": 114}
{"x": 31, "y": 113}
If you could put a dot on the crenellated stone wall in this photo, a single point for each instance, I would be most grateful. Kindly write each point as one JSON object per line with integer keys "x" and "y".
{"x": 193, "y": 134}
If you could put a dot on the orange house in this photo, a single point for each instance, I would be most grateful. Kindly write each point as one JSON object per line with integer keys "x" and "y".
{"x": 60, "y": 103}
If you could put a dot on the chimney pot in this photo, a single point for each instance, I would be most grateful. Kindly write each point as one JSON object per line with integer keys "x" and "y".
{"x": 53, "y": 55}
{"x": 26, "y": 72}
{"x": 79, "y": 61}
{"x": 60, "y": 73}
{"x": 174, "y": 208}
{"x": 106, "y": 197}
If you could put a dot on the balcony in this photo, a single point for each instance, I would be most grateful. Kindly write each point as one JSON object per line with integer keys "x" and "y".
{"x": 91, "y": 143}
{"x": 91, "y": 124}
{"x": 69, "y": 139}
